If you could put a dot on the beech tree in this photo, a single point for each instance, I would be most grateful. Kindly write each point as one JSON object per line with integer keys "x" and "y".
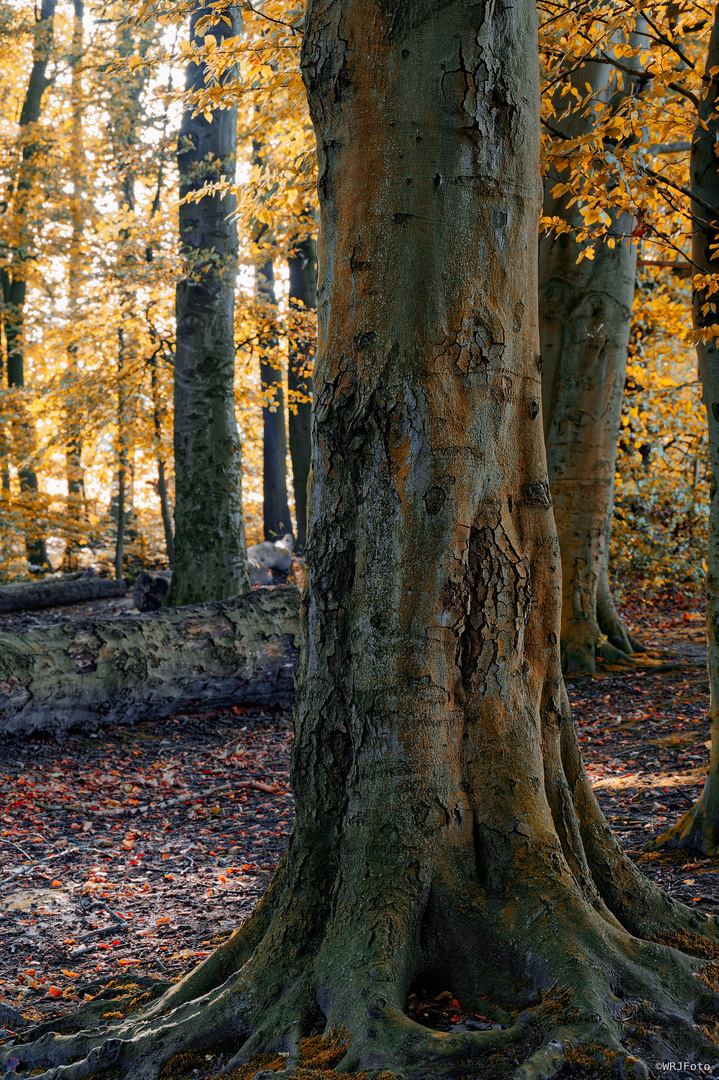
{"x": 586, "y": 292}
{"x": 303, "y": 294}
{"x": 275, "y": 508}
{"x": 698, "y": 829}
{"x": 210, "y": 554}
{"x": 446, "y": 830}
{"x": 13, "y": 278}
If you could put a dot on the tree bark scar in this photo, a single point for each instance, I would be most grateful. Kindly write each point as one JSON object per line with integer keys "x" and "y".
{"x": 83, "y": 651}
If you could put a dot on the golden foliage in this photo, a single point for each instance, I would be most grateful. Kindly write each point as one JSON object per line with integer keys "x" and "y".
{"x": 89, "y": 223}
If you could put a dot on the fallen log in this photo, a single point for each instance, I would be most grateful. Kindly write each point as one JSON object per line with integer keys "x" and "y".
{"x": 86, "y": 673}
{"x": 55, "y": 592}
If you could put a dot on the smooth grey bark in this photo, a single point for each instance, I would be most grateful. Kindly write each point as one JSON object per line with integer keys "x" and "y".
{"x": 585, "y": 317}
{"x": 275, "y": 508}
{"x": 698, "y": 829}
{"x": 14, "y": 281}
{"x": 303, "y": 289}
{"x": 210, "y": 556}
{"x": 86, "y": 673}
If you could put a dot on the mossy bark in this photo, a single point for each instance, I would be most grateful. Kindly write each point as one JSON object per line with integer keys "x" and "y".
{"x": 446, "y": 834}
{"x": 210, "y": 555}
{"x": 51, "y": 592}
{"x": 585, "y": 315}
{"x": 698, "y": 829}
{"x": 88, "y": 673}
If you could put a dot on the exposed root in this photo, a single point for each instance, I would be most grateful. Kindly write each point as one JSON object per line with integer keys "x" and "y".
{"x": 116, "y": 1000}
{"x": 552, "y": 914}
{"x": 696, "y": 831}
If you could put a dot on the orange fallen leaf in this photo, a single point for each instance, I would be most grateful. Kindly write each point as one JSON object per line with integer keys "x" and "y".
{"x": 70, "y": 974}
{"x": 126, "y": 962}
{"x": 56, "y": 884}
{"x": 54, "y": 991}
{"x": 163, "y": 920}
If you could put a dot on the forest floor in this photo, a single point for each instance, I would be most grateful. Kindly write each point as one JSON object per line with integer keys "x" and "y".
{"x": 132, "y": 852}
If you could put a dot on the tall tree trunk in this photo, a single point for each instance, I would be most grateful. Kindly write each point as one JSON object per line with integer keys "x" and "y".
{"x": 15, "y": 279}
{"x": 125, "y": 112}
{"x": 698, "y": 829}
{"x": 303, "y": 289}
{"x": 275, "y": 508}
{"x": 122, "y": 455}
{"x": 161, "y": 474}
{"x": 210, "y": 554}
{"x": 74, "y": 418}
{"x": 446, "y": 834}
{"x": 585, "y": 313}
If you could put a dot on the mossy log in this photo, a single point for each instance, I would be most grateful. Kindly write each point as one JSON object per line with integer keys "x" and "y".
{"x": 54, "y": 592}
{"x": 91, "y": 672}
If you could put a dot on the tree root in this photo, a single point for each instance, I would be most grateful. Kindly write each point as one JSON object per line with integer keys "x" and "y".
{"x": 256, "y": 1014}
{"x": 550, "y": 914}
{"x": 697, "y": 830}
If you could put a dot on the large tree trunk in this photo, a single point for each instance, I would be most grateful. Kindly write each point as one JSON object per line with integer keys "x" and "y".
{"x": 210, "y": 557}
{"x": 446, "y": 834}
{"x": 585, "y": 313}
{"x": 88, "y": 673}
{"x": 303, "y": 293}
{"x": 698, "y": 829}
{"x": 54, "y": 592}
{"x": 14, "y": 279}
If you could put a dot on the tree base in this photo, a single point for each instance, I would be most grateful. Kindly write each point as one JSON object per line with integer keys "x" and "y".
{"x": 696, "y": 831}
{"x": 293, "y": 993}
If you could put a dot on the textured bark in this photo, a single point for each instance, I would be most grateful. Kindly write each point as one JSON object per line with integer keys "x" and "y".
{"x": 87, "y": 673}
{"x": 303, "y": 288}
{"x": 585, "y": 315}
{"x": 446, "y": 834}
{"x": 210, "y": 557}
{"x": 14, "y": 280}
{"x": 54, "y": 592}
{"x": 275, "y": 508}
{"x": 698, "y": 829}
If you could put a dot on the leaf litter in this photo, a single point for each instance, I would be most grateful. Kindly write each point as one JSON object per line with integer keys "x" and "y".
{"x": 127, "y": 855}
